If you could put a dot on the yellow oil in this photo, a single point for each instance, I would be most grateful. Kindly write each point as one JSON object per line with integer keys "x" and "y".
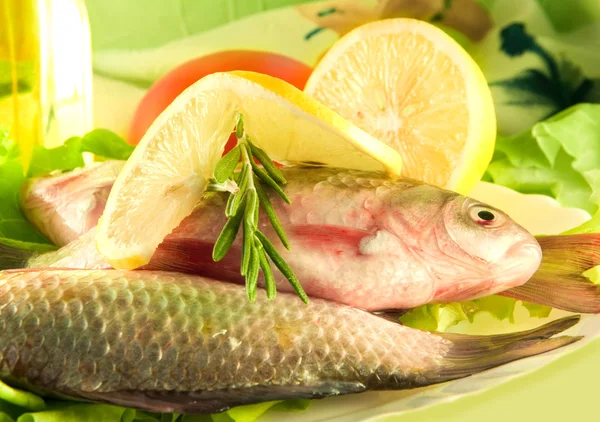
{"x": 20, "y": 66}
{"x": 45, "y": 72}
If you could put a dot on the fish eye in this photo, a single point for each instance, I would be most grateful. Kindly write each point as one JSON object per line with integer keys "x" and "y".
{"x": 485, "y": 216}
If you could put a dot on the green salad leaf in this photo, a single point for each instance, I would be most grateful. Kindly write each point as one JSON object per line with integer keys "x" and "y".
{"x": 107, "y": 144}
{"x": 22, "y": 406}
{"x": 24, "y": 399}
{"x": 65, "y": 157}
{"x": 101, "y": 142}
{"x": 13, "y": 225}
{"x": 558, "y": 157}
{"x": 78, "y": 412}
{"x": 441, "y": 317}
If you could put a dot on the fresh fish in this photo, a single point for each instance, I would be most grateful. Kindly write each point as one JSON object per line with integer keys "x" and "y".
{"x": 357, "y": 238}
{"x": 557, "y": 283}
{"x": 171, "y": 342}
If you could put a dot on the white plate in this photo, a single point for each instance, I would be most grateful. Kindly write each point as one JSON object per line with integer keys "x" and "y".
{"x": 540, "y": 215}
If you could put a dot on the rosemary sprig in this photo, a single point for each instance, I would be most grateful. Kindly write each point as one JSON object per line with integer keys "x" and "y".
{"x": 247, "y": 195}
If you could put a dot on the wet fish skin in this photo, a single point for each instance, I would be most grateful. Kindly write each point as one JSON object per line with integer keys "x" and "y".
{"x": 357, "y": 238}
{"x": 63, "y": 207}
{"x": 179, "y": 343}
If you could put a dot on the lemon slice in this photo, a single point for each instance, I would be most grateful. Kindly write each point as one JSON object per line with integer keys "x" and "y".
{"x": 169, "y": 170}
{"x": 409, "y": 84}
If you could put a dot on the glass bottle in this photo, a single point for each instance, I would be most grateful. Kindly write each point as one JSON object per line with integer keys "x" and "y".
{"x": 45, "y": 72}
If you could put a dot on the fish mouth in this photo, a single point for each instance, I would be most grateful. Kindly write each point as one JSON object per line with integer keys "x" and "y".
{"x": 526, "y": 250}
{"x": 526, "y": 257}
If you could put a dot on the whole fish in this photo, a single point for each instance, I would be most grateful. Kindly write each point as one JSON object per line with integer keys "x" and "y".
{"x": 169, "y": 342}
{"x": 357, "y": 238}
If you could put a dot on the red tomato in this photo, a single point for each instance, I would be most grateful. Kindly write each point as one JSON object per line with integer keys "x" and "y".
{"x": 168, "y": 87}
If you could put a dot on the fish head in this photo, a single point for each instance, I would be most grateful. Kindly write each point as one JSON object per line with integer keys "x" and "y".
{"x": 490, "y": 240}
{"x": 471, "y": 248}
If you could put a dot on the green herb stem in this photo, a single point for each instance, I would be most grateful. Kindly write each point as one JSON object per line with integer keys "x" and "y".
{"x": 246, "y": 196}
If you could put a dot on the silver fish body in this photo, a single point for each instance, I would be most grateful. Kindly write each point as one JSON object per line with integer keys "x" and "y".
{"x": 357, "y": 238}
{"x": 178, "y": 343}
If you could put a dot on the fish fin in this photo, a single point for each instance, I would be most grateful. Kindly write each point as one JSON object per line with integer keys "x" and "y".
{"x": 392, "y": 315}
{"x": 12, "y": 258}
{"x": 334, "y": 237}
{"x": 573, "y": 294}
{"x": 569, "y": 254}
{"x": 217, "y": 400}
{"x": 559, "y": 282}
{"x": 472, "y": 354}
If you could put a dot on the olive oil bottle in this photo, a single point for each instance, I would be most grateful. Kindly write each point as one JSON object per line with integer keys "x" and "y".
{"x": 45, "y": 72}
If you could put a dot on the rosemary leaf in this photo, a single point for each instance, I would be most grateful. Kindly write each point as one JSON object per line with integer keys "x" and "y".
{"x": 257, "y": 209}
{"x": 264, "y": 176}
{"x": 251, "y": 208}
{"x": 252, "y": 276}
{"x": 249, "y": 229}
{"x": 246, "y": 252}
{"x": 282, "y": 265}
{"x": 239, "y": 127}
{"x": 268, "y": 164}
{"x": 266, "y": 269}
{"x": 243, "y": 178}
{"x": 227, "y": 236}
{"x": 229, "y": 207}
{"x": 268, "y": 207}
{"x": 226, "y": 165}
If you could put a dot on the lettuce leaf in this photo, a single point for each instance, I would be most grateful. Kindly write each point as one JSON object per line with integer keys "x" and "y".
{"x": 101, "y": 142}
{"x": 13, "y": 225}
{"x": 22, "y": 406}
{"x": 440, "y": 317}
{"x": 79, "y": 412}
{"x": 557, "y": 157}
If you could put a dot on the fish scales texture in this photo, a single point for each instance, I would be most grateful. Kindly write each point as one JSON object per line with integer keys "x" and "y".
{"x": 178, "y": 343}
{"x": 105, "y": 331}
{"x": 360, "y": 238}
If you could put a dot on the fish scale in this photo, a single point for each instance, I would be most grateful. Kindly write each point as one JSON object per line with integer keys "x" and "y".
{"x": 174, "y": 342}
{"x": 217, "y": 331}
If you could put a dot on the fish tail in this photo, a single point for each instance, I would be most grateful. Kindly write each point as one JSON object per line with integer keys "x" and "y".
{"x": 13, "y": 258}
{"x": 472, "y": 354}
{"x": 559, "y": 282}
{"x": 576, "y": 294}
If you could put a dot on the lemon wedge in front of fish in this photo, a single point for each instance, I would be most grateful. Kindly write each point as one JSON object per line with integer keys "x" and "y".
{"x": 170, "y": 169}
